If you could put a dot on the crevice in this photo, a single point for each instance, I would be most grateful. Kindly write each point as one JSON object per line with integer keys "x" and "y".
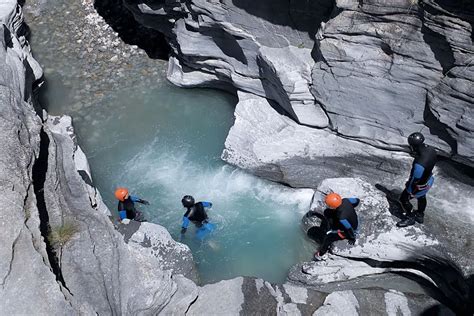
{"x": 191, "y": 304}
{"x": 438, "y": 43}
{"x": 102, "y": 274}
{"x": 450, "y": 287}
{"x": 40, "y": 167}
{"x": 4, "y": 281}
{"x": 438, "y": 128}
{"x": 132, "y": 32}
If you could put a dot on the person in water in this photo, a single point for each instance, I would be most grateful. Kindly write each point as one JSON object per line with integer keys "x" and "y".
{"x": 342, "y": 222}
{"x": 196, "y": 213}
{"x": 126, "y": 206}
{"x": 420, "y": 181}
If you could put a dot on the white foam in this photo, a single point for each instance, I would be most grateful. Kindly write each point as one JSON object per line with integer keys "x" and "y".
{"x": 179, "y": 175}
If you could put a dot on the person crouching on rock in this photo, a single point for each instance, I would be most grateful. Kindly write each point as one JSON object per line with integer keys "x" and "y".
{"x": 196, "y": 213}
{"x": 420, "y": 181}
{"x": 342, "y": 222}
{"x": 126, "y": 206}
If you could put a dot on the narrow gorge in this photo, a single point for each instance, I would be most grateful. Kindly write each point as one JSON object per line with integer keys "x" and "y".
{"x": 318, "y": 96}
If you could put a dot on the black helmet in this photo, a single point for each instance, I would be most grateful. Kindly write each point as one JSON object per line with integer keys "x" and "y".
{"x": 415, "y": 140}
{"x": 187, "y": 201}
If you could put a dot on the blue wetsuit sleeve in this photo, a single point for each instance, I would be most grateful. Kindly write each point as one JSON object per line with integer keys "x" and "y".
{"x": 417, "y": 173}
{"x": 185, "y": 222}
{"x": 354, "y": 201}
{"x": 348, "y": 228}
{"x": 122, "y": 214}
{"x": 134, "y": 198}
{"x": 206, "y": 204}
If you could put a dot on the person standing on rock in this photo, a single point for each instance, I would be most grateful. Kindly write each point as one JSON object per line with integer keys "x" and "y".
{"x": 342, "y": 222}
{"x": 126, "y": 206}
{"x": 420, "y": 181}
{"x": 196, "y": 213}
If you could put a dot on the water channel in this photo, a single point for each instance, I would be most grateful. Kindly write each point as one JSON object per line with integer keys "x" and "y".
{"x": 163, "y": 142}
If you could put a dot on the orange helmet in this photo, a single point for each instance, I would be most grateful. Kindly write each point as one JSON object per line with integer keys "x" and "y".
{"x": 333, "y": 200}
{"x": 121, "y": 193}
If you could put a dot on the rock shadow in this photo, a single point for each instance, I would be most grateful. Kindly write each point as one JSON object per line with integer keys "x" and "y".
{"x": 317, "y": 233}
{"x": 301, "y": 15}
{"x": 132, "y": 32}
{"x": 392, "y": 196}
{"x": 461, "y": 8}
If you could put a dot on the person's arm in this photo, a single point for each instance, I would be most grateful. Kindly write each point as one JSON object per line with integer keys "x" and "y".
{"x": 354, "y": 201}
{"x": 415, "y": 176}
{"x": 207, "y": 204}
{"x": 185, "y": 224}
{"x": 138, "y": 200}
{"x": 123, "y": 215}
{"x": 348, "y": 229}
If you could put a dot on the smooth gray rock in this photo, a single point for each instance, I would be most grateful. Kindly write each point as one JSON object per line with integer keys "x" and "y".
{"x": 378, "y": 63}
{"x": 156, "y": 241}
{"x": 374, "y": 63}
{"x": 450, "y": 108}
{"x": 25, "y": 271}
{"x": 275, "y": 147}
{"x": 263, "y": 48}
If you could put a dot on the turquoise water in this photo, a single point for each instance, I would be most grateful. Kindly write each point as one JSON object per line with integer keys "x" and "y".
{"x": 167, "y": 145}
{"x": 163, "y": 142}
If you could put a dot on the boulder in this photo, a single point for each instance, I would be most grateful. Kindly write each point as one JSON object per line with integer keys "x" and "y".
{"x": 156, "y": 241}
{"x": 275, "y": 147}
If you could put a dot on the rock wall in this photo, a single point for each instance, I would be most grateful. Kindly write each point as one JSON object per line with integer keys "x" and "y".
{"x": 372, "y": 71}
{"x": 61, "y": 254}
{"x": 25, "y": 271}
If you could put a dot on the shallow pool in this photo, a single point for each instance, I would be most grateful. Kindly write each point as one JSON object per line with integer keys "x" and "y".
{"x": 163, "y": 142}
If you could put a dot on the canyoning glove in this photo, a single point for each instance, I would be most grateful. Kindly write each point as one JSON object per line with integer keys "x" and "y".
{"x": 183, "y": 230}
{"x": 145, "y": 202}
{"x": 351, "y": 241}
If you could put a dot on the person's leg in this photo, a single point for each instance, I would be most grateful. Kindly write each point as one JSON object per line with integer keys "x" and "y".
{"x": 330, "y": 238}
{"x": 405, "y": 202}
{"x": 408, "y": 208}
{"x": 419, "y": 214}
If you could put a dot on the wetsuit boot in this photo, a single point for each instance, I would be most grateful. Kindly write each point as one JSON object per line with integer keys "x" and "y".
{"x": 318, "y": 257}
{"x": 408, "y": 221}
{"x": 419, "y": 217}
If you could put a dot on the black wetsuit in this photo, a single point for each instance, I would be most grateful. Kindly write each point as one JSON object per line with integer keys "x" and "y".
{"x": 127, "y": 209}
{"x": 421, "y": 178}
{"x": 196, "y": 214}
{"x": 342, "y": 223}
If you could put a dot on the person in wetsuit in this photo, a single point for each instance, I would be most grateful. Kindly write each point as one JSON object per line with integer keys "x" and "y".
{"x": 195, "y": 212}
{"x": 420, "y": 181}
{"x": 126, "y": 205}
{"x": 342, "y": 222}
